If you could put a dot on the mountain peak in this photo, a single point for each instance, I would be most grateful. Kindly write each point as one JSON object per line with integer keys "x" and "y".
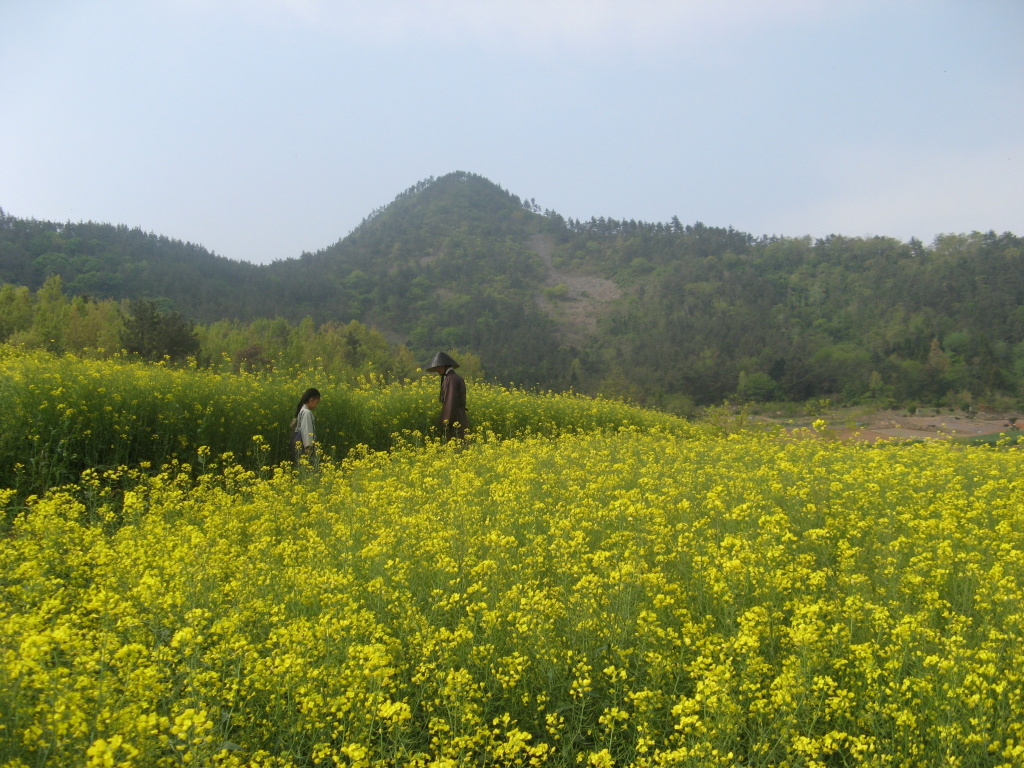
{"x": 457, "y": 198}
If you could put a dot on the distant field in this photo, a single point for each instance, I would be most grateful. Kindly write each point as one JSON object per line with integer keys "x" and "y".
{"x": 873, "y": 425}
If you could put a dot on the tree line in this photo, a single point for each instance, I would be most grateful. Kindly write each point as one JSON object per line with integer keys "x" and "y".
{"x": 88, "y": 327}
{"x": 790, "y": 319}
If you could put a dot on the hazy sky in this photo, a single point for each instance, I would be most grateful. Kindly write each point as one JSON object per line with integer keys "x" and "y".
{"x": 264, "y": 128}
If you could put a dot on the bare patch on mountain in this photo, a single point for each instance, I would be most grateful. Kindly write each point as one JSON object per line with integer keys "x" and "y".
{"x": 574, "y": 301}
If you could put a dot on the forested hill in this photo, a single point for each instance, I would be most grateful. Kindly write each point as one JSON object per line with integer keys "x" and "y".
{"x": 448, "y": 264}
{"x": 115, "y": 262}
{"x": 664, "y": 313}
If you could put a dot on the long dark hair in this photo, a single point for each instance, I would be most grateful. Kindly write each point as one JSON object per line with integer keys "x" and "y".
{"x": 308, "y": 395}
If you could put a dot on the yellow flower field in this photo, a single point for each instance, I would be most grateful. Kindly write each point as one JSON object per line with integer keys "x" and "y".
{"x": 62, "y": 415}
{"x": 613, "y": 598}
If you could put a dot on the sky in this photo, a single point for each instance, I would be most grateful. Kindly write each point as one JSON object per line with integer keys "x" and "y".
{"x": 262, "y": 129}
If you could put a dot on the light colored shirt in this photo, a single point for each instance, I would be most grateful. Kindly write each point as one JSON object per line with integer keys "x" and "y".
{"x": 306, "y": 427}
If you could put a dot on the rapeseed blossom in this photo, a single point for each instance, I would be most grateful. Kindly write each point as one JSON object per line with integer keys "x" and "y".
{"x": 63, "y": 415}
{"x": 613, "y": 598}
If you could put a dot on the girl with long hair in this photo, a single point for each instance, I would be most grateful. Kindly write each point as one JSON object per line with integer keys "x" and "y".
{"x": 304, "y": 427}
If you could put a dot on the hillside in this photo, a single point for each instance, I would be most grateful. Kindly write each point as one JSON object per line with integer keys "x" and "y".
{"x": 667, "y": 314}
{"x": 449, "y": 264}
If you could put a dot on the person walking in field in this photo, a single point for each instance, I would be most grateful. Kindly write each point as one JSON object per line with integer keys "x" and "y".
{"x": 454, "y": 419}
{"x": 304, "y": 427}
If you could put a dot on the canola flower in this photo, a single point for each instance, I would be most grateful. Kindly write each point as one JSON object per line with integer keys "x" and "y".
{"x": 622, "y": 598}
{"x": 63, "y": 415}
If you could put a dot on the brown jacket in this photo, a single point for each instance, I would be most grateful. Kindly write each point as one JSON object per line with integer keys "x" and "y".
{"x": 453, "y": 402}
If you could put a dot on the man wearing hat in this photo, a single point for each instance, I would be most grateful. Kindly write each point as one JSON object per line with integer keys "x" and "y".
{"x": 454, "y": 420}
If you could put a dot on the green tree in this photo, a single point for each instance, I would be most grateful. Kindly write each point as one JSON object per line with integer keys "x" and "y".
{"x": 16, "y": 303}
{"x": 152, "y": 334}
{"x": 757, "y": 387}
{"x": 94, "y": 325}
{"x": 51, "y": 314}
